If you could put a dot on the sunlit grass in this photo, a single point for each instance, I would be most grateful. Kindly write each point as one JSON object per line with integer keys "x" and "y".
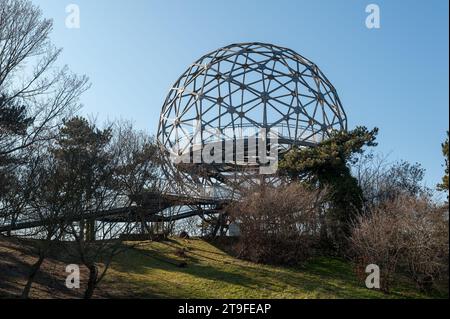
{"x": 155, "y": 270}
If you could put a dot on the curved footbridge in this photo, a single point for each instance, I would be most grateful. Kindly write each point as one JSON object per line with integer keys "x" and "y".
{"x": 148, "y": 207}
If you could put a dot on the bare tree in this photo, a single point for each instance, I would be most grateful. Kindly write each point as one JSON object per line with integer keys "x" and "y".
{"x": 406, "y": 232}
{"x": 427, "y": 243}
{"x": 376, "y": 240}
{"x": 47, "y": 206}
{"x": 28, "y": 72}
{"x": 278, "y": 224}
{"x": 381, "y": 180}
{"x": 137, "y": 161}
{"x": 35, "y": 93}
{"x": 37, "y": 201}
{"x": 105, "y": 169}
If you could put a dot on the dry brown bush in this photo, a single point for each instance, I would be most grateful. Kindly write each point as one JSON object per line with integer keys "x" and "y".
{"x": 406, "y": 233}
{"x": 278, "y": 225}
{"x": 426, "y": 234}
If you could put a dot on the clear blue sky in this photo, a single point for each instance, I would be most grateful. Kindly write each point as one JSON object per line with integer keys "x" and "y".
{"x": 395, "y": 77}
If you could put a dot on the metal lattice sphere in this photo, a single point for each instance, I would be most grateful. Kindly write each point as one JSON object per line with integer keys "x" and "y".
{"x": 249, "y": 85}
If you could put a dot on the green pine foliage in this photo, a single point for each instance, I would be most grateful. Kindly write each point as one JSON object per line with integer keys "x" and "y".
{"x": 328, "y": 166}
{"x": 444, "y": 185}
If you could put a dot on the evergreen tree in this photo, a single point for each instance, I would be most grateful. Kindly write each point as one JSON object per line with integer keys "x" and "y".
{"x": 328, "y": 166}
{"x": 444, "y": 185}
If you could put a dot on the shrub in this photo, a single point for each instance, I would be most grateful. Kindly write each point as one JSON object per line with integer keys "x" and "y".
{"x": 406, "y": 233}
{"x": 278, "y": 225}
{"x": 376, "y": 240}
{"x": 427, "y": 244}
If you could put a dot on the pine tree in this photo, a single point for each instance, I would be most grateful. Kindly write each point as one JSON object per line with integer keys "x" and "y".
{"x": 444, "y": 185}
{"x": 328, "y": 166}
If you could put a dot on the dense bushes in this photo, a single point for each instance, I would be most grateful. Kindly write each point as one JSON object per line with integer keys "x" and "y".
{"x": 373, "y": 211}
{"x": 407, "y": 234}
{"x": 278, "y": 225}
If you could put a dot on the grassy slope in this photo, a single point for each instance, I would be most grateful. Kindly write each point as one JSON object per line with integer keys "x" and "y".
{"x": 150, "y": 271}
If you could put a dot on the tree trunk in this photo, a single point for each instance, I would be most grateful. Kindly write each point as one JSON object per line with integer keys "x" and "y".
{"x": 11, "y": 224}
{"x": 90, "y": 230}
{"x": 34, "y": 270}
{"x": 223, "y": 225}
{"x": 93, "y": 274}
{"x": 216, "y": 228}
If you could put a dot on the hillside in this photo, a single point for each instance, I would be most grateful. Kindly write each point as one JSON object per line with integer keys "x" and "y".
{"x": 192, "y": 269}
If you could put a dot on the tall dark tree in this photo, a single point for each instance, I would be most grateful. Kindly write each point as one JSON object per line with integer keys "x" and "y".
{"x": 328, "y": 166}
{"x": 35, "y": 95}
{"x": 444, "y": 185}
{"x": 86, "y": 168}
{"x": 102, "y": 169}
{"x": 82, "y": 156}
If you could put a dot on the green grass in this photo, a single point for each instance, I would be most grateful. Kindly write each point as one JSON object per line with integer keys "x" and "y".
{"x": 151, "y": 270}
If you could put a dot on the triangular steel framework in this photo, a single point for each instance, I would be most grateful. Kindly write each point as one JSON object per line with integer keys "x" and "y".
{"x": 248, "y": 85}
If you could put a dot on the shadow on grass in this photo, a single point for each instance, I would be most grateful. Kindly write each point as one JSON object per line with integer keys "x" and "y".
{"x": 319, "y": 277}
{"x": 140, "y": 260}
{"x": 246, "y": 275}
{"x": 15, "y": 265}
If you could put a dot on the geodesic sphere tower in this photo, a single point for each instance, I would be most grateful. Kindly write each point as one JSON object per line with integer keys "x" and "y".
{"x": 249, "y": 85}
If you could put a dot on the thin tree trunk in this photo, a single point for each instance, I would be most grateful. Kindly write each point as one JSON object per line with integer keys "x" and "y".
{"x": 223, "y": 221}
{"x": 34, "y": 270}
{"x": 93, "y": 274}
{"x": 216, "y": 228}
